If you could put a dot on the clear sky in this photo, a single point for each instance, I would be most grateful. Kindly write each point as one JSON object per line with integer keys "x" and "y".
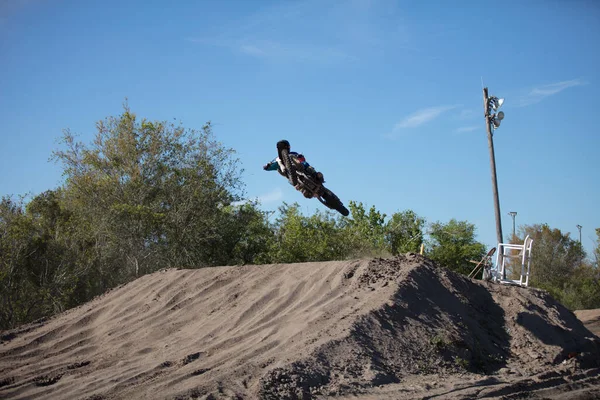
{"x": 384, "y": 97}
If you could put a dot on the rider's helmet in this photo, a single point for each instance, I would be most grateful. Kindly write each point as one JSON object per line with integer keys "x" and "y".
{"x": 301, "y": 158}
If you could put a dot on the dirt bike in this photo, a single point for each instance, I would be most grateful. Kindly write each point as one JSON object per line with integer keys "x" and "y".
{"x": 305, "y": 181}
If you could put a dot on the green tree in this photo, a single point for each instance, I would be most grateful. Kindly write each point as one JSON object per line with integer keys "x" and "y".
{"x": 299, "y": 238}
{"x": 365, "y": 231}
{"x": 142, "y": 196}
{"x": 581, "y": 290}
{"x": 250, "y": 237}
{"x": 15, "y": 246}
{"x": 453, "y": 244}
{"x": 148, "y": 195}
{"x": 327, "y": 236}
{"x": 404, "y": 232}
{"x": 37, "y": 276}
{"x": 558, "y": 265}
{"x": 554, "y": 256}
{"x": 53, "y": 264}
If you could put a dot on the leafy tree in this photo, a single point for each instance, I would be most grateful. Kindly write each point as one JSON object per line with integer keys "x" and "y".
{"x": 53, "y": 265}
{"x": 299, "y": 238}
{"x": 554, "y": 256}
{"x": 404, "y": 232}
{"x": 581, "y": 290}
{"x": 15, "y": 245}
{"x": 143, "y": 196}
{"x": 249, "y": 236}
{"x": 453, "y": 244}
{"x": 148, "y": 195}
{"x": 36, "y": 270}
{"x": 558, "y": 265}
{"x": 365, "y": 232}
{"x": 327, "y": 236}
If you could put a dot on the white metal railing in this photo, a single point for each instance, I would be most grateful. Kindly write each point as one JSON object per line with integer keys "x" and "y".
{"x": 512, "y": 251}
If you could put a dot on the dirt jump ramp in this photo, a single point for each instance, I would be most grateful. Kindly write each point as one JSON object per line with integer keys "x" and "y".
{"x": 397, "y": 328}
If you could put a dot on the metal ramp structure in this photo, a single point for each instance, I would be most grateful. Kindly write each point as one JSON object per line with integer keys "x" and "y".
{"x": 513, "y": 251}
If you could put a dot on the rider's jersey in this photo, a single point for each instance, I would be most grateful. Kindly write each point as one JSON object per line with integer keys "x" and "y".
{"x": 273, "y": 165}
{"x": 300, "y": 158}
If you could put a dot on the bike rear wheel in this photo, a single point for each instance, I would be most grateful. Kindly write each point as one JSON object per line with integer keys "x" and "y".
{"x": 332, "y": 201}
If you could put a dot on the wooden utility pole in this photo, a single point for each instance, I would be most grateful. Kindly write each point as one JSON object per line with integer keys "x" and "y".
{"x": 488, "y": 126}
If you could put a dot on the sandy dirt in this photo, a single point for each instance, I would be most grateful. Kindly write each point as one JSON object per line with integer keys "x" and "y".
{"x": 591, "y": 319}
{"x": 399, "y": 328}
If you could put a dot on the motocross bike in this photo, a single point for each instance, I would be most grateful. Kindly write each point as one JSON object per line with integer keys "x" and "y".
{"x": 304, "y": 181}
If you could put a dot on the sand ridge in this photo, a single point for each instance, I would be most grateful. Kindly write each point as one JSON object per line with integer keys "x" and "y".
{"x": 389, "y": 328}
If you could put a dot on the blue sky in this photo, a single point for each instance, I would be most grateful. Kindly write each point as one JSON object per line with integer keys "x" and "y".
{"x": 384, "y": 97}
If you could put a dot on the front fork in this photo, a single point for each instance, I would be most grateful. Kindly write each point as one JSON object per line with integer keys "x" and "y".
{"x": 281, "y": 165}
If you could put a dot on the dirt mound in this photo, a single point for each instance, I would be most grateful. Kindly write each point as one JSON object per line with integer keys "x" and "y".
{"x": 383, "y": 328}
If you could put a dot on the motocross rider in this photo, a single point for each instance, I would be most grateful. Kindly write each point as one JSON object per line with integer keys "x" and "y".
{"x": 275, "y": 166}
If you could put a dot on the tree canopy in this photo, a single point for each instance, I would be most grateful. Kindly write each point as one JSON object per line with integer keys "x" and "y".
{"x": 559, "y": 265}
{"x": 144, "y": 195}
{"x": 453, "y": 245}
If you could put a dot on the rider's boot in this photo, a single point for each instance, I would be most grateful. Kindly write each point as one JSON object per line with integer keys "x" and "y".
{"x": 317, "y": 175}
{"x": 320, "y": 177}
